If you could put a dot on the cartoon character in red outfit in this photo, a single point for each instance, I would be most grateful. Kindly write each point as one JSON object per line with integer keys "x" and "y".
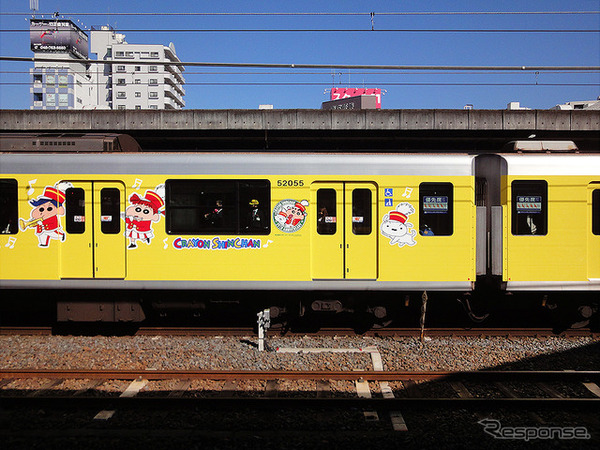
{"x": 140, "y": 215}
{"x": 44, "y": 216}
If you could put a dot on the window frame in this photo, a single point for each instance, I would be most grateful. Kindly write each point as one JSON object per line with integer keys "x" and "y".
{"x": 9, "y": 209}
{"x": 519, "y": 188}
{"x": 202, "y": 197}
{"x": 446, "y": 227}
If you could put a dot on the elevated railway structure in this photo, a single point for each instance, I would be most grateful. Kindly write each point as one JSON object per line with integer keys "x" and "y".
{"x": 327, "y": 130}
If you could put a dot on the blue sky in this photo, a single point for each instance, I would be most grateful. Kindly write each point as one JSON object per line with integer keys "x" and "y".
{"x": 289, "y": 88}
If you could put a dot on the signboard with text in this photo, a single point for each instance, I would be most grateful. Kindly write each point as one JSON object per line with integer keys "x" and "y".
{"x": 58, "y": 36}
{"x": 341, "y": 93}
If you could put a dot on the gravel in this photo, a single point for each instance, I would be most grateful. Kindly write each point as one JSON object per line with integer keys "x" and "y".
{"x": 224, "y": 353}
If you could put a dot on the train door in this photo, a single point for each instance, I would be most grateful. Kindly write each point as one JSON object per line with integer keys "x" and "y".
{"x": 594, "y": 233}
{"x": 344, "y": 240}
{"x": 95, "y": 243}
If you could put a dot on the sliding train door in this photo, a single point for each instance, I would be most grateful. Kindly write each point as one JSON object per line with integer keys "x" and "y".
{"x": 344, "y": 240}
{"x": 94, "y": 244}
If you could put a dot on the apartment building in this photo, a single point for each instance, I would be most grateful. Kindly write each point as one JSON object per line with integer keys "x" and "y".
{"x": 140, "y": 76}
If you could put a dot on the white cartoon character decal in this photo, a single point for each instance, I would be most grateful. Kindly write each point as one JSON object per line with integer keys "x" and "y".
{"x": 395, "y": 226}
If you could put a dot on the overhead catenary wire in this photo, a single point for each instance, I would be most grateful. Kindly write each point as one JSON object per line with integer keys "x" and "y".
{"x": 341, "y": 13}
{"x": 301, "y": 66}
{"x": 335, "y": 30}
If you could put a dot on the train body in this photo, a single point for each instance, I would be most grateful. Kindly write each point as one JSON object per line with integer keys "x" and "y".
{"x": 300, "y": 222}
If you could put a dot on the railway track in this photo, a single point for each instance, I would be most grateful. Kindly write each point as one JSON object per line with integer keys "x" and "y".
{"x": 388, "y": 403}
{"x": 383, "y": 332}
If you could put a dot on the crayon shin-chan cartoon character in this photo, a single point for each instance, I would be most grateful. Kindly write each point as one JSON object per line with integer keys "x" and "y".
{"x": 140, "y": 215}
{"x": 44, "y": 216}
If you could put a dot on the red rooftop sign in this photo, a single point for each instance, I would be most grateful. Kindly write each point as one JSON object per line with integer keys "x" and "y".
{"x": 341, "y": 93}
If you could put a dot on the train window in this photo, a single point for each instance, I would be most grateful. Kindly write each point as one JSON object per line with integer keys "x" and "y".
{"x": 218, "y": 206}
{"x": 529, "y": 207}
{"x": 361, "y": 211}
{"x": 110, "y": 210}
{"x": 75, "y": 210}
{"x": 436, "y": 209}
{"x": 326, "y": 207}
{"x": 596, "y": 211}
{"x": 9, "y": 206}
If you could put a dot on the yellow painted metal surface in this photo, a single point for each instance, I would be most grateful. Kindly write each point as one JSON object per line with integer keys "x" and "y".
{"x": 297, "y": 255}
{"x": 568, "y": 252}
{"x": 360, "y": 249}
{"x": 109, "y": 248}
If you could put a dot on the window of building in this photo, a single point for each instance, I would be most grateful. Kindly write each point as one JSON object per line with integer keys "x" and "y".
{"x": 120, "y": 68}
{"x": 62, "y": 81}
{"x": 153, "y": 82}
{"x": 120, "y": 54}
{"x": 596, "y": 211}
{"x": 50, "y": 99}
{"x": 138, "y": 107}
{"x": 110, "y": 210}
{"x": 436, "y": 209}
{"x": 120, "y": 106}
{"x": 79, "y": 100}
{"x": 218, "y": 206}
{"x": 138, "y": 81}
{"x": 154, "y": 54}
{"x": 145, "y": 54}
{"x": 129, "y": 54}
{"x": 138, "y": 68}
{"x": 529, "y": 207}
{"x": 153, "y": 94}
{"x": 326, "y": 211}
{"x": 120, "y": 81}
{"x": 75, "y": 210}
{"x": 50, "y": 80}
{"x": 9, "y": 206}
{"x": 153, "y": 69}
{"x": 121, "y": 94}
{"x": 63, "y": 99}
{"x": 153, "y": 106}
{"x": 38, "y": 97}
{"x": 37, "y": 78}
{"x": 138, "y": 94}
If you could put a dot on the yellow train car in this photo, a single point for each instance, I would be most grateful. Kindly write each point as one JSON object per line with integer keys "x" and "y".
{"x": 301, "y": 225}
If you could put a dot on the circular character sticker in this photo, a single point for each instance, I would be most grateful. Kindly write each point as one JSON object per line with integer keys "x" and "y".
{"x": 289, "y": 215}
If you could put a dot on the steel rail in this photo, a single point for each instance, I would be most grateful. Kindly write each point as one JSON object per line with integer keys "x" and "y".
{"x": 482, "y": 375}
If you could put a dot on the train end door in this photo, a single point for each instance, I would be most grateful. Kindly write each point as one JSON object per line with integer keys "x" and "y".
{"x": 594, "y": 233}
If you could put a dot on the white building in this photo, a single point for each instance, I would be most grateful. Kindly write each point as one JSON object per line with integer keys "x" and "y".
{"x": 142, "y": 77}
{"x": 585, "y": 104}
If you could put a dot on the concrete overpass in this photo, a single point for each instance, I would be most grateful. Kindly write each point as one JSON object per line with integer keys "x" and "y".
{"x": 302, "y": 129}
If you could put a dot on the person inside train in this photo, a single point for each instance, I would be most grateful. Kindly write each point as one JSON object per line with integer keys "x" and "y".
{"x": 215, "y": 217}
{"x": 255, "y": 219}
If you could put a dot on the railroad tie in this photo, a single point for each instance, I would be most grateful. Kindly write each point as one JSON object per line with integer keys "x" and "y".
{"x": 132, "y": 390}
{"x": 364, "y": 391}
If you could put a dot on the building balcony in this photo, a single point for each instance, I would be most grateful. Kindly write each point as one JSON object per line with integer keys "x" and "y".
{"x": 170, "y": 80}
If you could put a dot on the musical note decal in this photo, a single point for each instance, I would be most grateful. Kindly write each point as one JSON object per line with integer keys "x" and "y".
{"x": 31, "y": 189}
{"x": 267, "y": 244}
{"x": 11, "y": 242}
{"x": 137, "y": 184}
{"x": 165, "y": 242}
{"x": 407, "y": 192}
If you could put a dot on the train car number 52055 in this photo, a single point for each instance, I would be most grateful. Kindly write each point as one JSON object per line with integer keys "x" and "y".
{"x": 290, "y": 183}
